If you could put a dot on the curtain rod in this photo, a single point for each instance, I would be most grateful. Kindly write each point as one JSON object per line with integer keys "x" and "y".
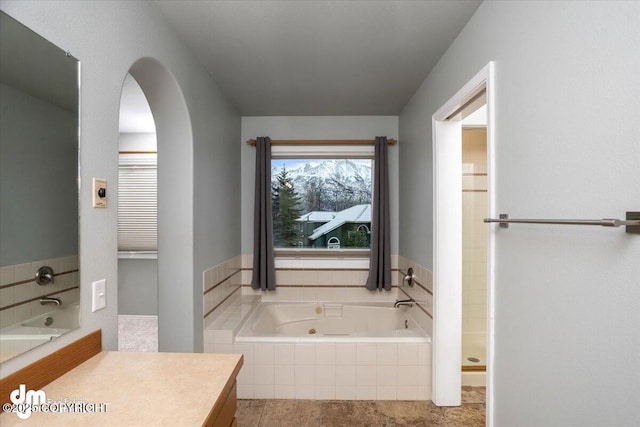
{"x": 323, "y": 142}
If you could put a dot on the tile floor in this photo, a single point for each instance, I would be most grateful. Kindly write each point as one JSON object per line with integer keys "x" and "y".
{"x": 351, "y": 413}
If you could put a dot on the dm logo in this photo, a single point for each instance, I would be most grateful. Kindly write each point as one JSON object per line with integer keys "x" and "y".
{"x": 25, "y": 400}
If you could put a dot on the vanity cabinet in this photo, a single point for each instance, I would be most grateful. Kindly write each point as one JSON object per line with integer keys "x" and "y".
{"x": 160, "y": 389}
{"x": 227, "y": 415}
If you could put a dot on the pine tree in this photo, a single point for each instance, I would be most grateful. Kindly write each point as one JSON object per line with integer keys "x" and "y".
{"x": 286, "y": 209}
{"x": 356, "y": 238}
{"x": 314, "y": 194}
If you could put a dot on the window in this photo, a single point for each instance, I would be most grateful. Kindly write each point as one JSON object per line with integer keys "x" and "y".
{"x": 137, "y": 202}
{"x": 321, "y": 203}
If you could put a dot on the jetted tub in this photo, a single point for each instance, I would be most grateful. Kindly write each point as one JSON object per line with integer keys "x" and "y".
{"x": 331, "y": 322}
{"x": 350, "y": 351}
{"x": 61, "y": 320}
{"x": 38, "y": 330}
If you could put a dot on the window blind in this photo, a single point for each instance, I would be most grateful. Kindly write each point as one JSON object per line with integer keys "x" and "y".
{"x": 138, "y": 202}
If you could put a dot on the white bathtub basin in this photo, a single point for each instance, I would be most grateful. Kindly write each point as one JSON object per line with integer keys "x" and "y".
{"x": 62, "y": 320}
{"x": 330, "y": 322}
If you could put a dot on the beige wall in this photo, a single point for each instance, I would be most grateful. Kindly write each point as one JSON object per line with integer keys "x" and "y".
{"x": 474, "y": 231}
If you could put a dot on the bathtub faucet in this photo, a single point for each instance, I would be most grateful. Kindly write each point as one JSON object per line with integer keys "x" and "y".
{"x": 409, "y": 302}
{"x": 48, "y": 300}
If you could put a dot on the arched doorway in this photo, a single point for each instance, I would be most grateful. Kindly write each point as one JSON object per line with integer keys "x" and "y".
{"x": 137, "y": 222}
{"x": 176, "y": 293}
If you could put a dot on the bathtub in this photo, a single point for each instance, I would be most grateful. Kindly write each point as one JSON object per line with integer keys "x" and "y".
{"x": 350, "y": 351}
{"x": 331, "y": 322}
{"x": 61, "y": 320}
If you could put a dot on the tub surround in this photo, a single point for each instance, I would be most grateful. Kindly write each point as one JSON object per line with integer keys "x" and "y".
{"x": 38, "y": 330}
{"x": 366, "y": 370}
{"x": 340, "y": 371}
{"x": 20, "y": 300}
{"x": 20, "y": 295}
{"x": 325, "y": 370}
{"x": 219, "y": 284}
{"x": 232, "y": 278}
{"x": 421, "y": 292}
{"x": 309, "y": 279}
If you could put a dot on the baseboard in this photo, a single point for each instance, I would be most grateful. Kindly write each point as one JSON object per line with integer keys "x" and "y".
{"x": 137, "y": 316}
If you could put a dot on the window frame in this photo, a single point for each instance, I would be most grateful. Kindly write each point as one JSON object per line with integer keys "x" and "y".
{"x": 286, "y": 257}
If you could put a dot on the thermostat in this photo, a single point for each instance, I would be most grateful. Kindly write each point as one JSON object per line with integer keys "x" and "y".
{"x": 99, "y": 193}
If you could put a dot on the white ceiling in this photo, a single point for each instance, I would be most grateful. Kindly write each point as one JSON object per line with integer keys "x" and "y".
{"x": 318, "y": 57}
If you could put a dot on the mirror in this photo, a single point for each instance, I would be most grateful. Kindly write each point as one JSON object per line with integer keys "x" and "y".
{"x": 39, "y": 140}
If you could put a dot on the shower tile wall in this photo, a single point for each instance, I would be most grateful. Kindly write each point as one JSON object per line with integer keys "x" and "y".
{"x": 20, "y": 294}
{"x": 474, "y": 231}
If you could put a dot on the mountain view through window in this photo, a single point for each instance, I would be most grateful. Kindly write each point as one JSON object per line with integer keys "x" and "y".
{"x": 321, "y": 203}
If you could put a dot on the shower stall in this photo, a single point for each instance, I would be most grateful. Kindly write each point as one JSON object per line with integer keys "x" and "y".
{"x": 474, "y": 254}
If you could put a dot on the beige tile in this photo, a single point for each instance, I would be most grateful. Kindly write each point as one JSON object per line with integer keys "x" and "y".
{"x": 325, "y": 277}
{"x": 22, "y": 312}
{"x": 247, "y": 275}
{"x": 283, "y": 277}
{"x": 467, "y": 415}
{"x": 54, "y": 264}
{"x": 352, "y": 413}
{"x": 24, "y": 272}
{"x": 310, "y": 277}
{"x": 7, "y": 296}
{"x": 293, "y": 413}
{"x": 296, "y": 277}
{"x": 249, "y": 412}
{"x": 386, "y": 392}
{"x": 324, "y": 294}
{"x": 476, "y": 395}
{"x": 8, "y": 317}
{"x": 206, "y": 279}
{"x": 7, "y": 275}
{"x": 24, "y": 292}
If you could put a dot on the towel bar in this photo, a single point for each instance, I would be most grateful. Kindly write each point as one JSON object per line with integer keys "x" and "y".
{"x": 632, "y": 222}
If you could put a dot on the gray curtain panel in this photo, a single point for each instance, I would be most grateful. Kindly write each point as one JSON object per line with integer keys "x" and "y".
{"x": 264, "y": 274}
{"x": 380, "y": 263}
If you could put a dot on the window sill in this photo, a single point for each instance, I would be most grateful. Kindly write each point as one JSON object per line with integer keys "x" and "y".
{"x": 137, "y": 255}
{"x": 321, "y": 253}
{"x": 322, "y": 258}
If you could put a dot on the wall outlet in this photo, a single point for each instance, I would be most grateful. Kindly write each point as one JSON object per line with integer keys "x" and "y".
{"x": 98, "y": 295}
{"x": 99, "y": 193}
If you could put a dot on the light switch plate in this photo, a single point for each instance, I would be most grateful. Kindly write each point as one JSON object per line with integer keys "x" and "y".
{"x": 99, "y": 193}
{"x": 98, "y": 295}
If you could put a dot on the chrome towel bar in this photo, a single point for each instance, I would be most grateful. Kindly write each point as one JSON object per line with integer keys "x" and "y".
{"x": 632, "y": 222}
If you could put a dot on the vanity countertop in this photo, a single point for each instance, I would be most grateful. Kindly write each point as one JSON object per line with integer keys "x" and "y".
{"x": 141, "y": 389}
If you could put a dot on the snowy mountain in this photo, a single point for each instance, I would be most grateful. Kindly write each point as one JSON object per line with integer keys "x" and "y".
{"x": 332, "y": 184}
